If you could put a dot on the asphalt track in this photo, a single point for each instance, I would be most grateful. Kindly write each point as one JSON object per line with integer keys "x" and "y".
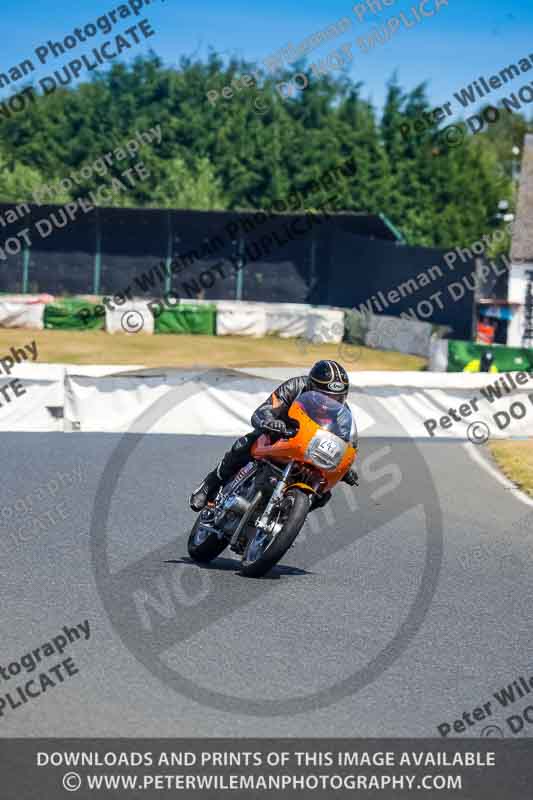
{"x": 368, "y": 628}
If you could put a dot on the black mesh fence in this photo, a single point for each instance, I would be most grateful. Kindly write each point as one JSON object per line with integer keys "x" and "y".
{"x": 131, "y": 243}
{"x": 340, "y": 259}
{"x": 388, "y": 278}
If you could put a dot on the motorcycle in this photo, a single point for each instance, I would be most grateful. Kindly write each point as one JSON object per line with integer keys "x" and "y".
{"x": 261, "y": 510}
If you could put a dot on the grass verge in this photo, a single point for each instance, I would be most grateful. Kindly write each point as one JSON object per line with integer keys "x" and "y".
{"x": 97, "y": 347}
{"x": 515, "y": 460}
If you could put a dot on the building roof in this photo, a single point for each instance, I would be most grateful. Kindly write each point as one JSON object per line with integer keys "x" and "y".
{"x": 522, "y": 242}
{"x": 360, "y": 223}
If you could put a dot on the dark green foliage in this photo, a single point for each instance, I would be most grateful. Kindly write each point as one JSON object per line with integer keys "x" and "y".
{"x": 233, "y": 155}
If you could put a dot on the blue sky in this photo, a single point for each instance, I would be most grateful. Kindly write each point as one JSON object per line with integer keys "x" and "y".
{"x": 465, "y": 39}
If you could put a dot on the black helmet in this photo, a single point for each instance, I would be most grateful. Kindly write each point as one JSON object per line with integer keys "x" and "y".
{"x": 330, "y": 377}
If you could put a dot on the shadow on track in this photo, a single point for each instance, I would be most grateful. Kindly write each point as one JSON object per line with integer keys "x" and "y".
{"x": 228, "y": 564}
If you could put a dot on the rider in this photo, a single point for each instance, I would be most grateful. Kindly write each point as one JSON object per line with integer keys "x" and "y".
{"x": 328, "y": 377}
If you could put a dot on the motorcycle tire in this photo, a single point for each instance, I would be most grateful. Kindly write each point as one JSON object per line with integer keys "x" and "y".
{"x": 260, "y": 555}
{"x": 204, "y": 549}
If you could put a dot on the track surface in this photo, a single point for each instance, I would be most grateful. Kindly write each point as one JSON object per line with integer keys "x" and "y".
{"x": 336, "y": 602}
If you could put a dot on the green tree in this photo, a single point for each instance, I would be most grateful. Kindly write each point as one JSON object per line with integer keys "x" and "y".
{"x": 256, "y": 148}
{"x": 17, "y": 181}
{"x": 182, "y": 187}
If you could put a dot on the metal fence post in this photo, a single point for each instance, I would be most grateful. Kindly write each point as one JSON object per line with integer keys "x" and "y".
{"x": 239, "y": 283}
{"x": 168, "y": 260}
{"x": 97, "y": 255}
{"x": 25, "y": 268}
{"x": 312, "y": 269}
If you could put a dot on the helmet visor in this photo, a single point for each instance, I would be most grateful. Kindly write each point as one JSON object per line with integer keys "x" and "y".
{"x": 340, "y": 395}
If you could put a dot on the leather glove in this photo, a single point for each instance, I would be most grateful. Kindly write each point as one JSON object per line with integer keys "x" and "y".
{"x": 276, "y": 426}
{"x": 351, "y": 477}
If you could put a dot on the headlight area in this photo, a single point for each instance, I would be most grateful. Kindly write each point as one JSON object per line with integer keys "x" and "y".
{"x": 325, "y": 450}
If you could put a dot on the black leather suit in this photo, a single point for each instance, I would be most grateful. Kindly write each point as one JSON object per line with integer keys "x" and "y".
{"x": 274, "y": 407}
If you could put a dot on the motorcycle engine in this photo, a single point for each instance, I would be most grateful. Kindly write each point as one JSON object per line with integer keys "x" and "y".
{"x": 233, "y": 506}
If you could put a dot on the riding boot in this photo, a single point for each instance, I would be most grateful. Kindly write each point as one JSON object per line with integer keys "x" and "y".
{"x": 206, "y": 491}
{"x": 232, "y": 461}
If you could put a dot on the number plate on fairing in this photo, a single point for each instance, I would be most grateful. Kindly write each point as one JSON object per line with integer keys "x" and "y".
{"x": 330, "y": 447}
{"x": 325, "y": 450}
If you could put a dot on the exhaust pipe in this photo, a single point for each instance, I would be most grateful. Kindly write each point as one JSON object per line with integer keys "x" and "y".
{"x": 237, "y": 504}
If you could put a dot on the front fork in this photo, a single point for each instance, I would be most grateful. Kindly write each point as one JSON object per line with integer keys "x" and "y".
{"x": 276, "y": 497}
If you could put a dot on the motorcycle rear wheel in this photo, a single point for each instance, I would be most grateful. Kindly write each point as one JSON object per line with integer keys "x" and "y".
{"x": 262, "y": 551}
{"x": 204, "y": 546}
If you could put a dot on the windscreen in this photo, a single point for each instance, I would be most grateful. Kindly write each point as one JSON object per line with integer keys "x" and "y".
{"x": 328, "y": 413}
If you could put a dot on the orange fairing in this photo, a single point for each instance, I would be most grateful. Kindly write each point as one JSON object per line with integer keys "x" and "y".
{"x": 296, "y": 448}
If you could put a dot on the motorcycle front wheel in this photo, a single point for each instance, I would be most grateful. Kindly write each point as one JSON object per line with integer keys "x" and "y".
{"x": 204, "y": 545}
{"x": 264, "y": 550}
